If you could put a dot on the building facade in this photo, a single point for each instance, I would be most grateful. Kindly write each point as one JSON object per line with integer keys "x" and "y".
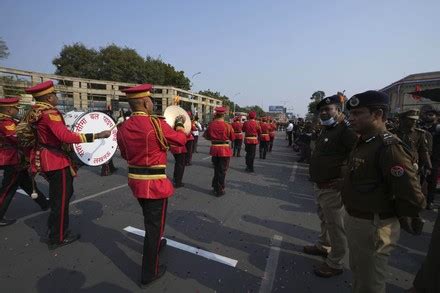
{"x": 400, "y": 91}
{"x": 88, "y": 94}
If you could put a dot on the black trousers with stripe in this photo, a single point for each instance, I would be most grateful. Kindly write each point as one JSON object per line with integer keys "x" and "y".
{"x": 263, "y": 149}
{"x": 189, "y": 151}
{"x": 12, "y": 179}
{"x": 221, "y": 165}
{"x": 179, "y": 168}
{"x": 154, "y": 211}
{"x": 250, "y": 155}
{"x": 60, "y": 192}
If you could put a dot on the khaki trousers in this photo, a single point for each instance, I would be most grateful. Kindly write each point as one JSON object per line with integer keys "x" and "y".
{"x": 370, "y": 243}
{"x": 332, "y": 237}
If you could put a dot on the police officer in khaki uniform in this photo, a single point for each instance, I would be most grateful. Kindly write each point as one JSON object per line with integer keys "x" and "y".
{"x": 333, "y": 145}
{"x": 415, "y": 139}
{"x": 380, "y": 189}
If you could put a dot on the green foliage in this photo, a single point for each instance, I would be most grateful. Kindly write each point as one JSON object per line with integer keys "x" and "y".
{"x": 316, "y": 97}
{"x": 260, "y": 112}
{"x": 216, "y": 95}
{"x": 119, "y": 64}
{"x": 312, "y": 106}
{"x": 4, "y": 50}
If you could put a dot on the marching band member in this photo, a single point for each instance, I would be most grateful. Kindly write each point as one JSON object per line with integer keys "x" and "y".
{"x": 11, "y": 157}
{"x": 143, "y": 141}
{"x": 220, "y": 134}
{"x": 264, "y": 137}
{"x": 237, "y": 126}
{"x": 49, "y": 157}
{"x": 252, "y": 130}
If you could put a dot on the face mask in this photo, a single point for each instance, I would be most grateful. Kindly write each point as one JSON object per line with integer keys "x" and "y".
{"x": 328, "y": 122}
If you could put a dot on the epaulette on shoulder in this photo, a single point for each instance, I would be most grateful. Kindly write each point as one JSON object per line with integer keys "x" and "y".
{"x": 389, "y": 138}
{"x": 51, "y": 111}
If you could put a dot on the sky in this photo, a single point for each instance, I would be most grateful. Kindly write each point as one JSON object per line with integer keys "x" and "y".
{"x": 262, "y": 53}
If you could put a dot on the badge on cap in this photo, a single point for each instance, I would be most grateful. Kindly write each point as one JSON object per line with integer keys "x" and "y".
{"x": 354, "y": 102}
{"x": 327, "y": 101}
{"x": 397, "y": 171}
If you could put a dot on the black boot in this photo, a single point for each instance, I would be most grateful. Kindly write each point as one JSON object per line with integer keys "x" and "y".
{"x": 162, "y": 271}
{"x": 68, "y": 239}
{"x": 6, "y": 222}
{"x": 43, "y": 202}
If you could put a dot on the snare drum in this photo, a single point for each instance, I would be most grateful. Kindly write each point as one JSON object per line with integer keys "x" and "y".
{"x": 101, "y": 150}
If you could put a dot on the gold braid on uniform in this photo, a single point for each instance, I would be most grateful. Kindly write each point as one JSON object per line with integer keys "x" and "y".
{"x": 159, "y": 133}
{"x": 27, "y": 137}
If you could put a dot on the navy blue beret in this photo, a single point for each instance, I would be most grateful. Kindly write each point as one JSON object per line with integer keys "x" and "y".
{"x": 335, "y": 99}
{"x": 367, "y": 99}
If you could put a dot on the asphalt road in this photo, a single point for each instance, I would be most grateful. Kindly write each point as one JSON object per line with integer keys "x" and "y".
{"x": 261, "y": 224}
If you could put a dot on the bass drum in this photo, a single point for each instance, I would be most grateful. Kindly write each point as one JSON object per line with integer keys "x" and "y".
{"x": 101, "y": 150}
{"x": 71, "y": 117}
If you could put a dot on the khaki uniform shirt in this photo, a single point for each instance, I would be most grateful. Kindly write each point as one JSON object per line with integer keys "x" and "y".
{"x": 416, "y": 140}
{"x": 382, "y": 178}
{"x": 330, "y": 155}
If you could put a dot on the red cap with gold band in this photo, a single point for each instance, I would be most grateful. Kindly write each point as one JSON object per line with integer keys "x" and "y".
{"x": 41, "y": 89}
{"x": 220, "y": 110}
{"x": 139, "y": 91}
{"x": 9, "y": 102}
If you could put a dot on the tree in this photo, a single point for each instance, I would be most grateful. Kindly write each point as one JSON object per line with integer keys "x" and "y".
{"x": 216, "y": 95}
{"x": 4, "y": 50}
{"x": 316, "y": 97}
{"x": 78, "y": 61}
{"x": 119, "y": 64}
{"x": 260, "y": 112}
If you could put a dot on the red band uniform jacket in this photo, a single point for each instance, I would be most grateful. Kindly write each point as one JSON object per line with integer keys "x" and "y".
{"x": 140, "y": 146}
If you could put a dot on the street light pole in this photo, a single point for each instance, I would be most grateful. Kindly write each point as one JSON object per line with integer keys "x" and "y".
{"x": 235, "y": 102}
{"x": 195, "y": 74}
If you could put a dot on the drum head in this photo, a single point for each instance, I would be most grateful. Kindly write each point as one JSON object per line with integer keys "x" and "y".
{"x": 101, "y": 150}
{"x": 71, "y": 117}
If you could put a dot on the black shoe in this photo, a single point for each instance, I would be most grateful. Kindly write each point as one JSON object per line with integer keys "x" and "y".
{"x": 163, "y": 244}
{"x": 313, "y": 250}
{"x": 325, "y": 271}
{"x": 44, "y": 204}
{"x": 162, "y": 271}
{"x": 68, "y": 239}
{"x": 220, "y": 193}
{"x": 178, "y": 185}
{"x": 6, "y": 222}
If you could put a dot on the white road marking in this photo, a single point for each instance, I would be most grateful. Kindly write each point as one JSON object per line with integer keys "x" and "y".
{"x": 271, "y": 265}
{"x": 75, "y": 201}
{"x": 21, "y": 191}
{"x": 303, "y": 196}
{"x": 293, "y": 174}
{"x": 203, "y": 253}
{"x": 206, "y": 158}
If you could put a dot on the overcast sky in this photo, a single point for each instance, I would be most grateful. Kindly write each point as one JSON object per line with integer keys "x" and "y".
{"x": 271, "y": 52}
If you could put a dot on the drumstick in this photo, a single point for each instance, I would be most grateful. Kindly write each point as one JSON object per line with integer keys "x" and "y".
{"x": 111, "y": 129}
